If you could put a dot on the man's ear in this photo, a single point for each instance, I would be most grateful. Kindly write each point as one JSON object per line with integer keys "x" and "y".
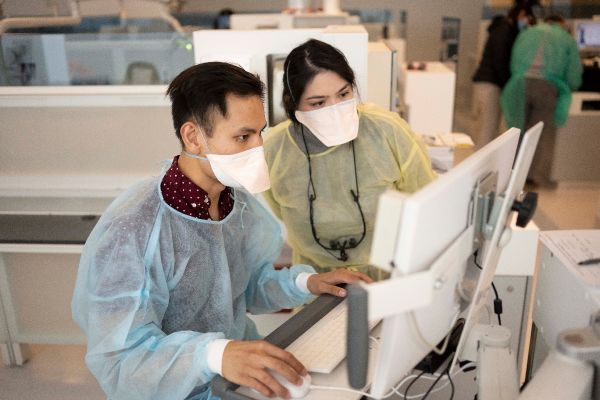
{"x": 191, "y": 138}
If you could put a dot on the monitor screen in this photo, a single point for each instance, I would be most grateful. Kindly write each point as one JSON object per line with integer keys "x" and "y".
{"x": 587, "y": 34}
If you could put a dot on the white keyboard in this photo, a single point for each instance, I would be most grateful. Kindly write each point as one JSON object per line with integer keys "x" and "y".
{"x": 323, "y": 346}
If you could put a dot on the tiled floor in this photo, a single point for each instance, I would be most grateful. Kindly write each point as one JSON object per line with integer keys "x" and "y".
{"x": 58, "y": 372}
{"x": 53, "y": 373}
{"x": 573, "y": 205}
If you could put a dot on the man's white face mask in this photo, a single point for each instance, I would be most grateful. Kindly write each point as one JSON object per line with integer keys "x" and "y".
{"x": 332, "y": 125}
{"x": 247, "y": 169}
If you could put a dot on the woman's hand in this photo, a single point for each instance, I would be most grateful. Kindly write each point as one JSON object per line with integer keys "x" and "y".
{"x": 325, "y": 282}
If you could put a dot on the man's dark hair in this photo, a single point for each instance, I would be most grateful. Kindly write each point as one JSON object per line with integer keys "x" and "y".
{"x": 200, "y": 91}
{"x": 301, "y": 66}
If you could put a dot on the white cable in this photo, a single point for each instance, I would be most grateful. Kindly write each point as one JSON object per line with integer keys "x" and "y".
{"x": 425, "y": 342}
{"x": 341, "y": 389}
{"x": 438, "y": 389}
{"x": 344, "y": 389}
{"x": 489, "y": 313}
{"x": 395, "y": 389}
{"x": 462, "y": 294}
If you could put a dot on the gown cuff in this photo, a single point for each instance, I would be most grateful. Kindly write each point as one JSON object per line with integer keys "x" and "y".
{"x": 214, "y": 355}
{"x": 302, "y": 281}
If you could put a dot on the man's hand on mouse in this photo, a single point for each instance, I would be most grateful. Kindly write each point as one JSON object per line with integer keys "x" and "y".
{"x": 325, "y": 282}
{"x": 246, "y": 362}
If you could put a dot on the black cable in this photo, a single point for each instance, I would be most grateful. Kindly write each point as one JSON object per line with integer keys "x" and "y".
{"x": 451, "y": 385}
{"x": 497, "y": 305}
{"x": 435, "y": 383}
{"x": 411, "y": 383}
{"x": 497, "y": 300}
{"x": 445, "y": 372}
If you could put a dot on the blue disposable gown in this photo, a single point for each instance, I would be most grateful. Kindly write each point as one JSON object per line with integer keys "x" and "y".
{"x": 155, "y": 287}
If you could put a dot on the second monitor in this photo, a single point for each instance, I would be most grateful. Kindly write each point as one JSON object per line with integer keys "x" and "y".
{"x": 425, "y": 240}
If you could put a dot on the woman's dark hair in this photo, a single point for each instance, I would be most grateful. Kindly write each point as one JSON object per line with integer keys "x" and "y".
{"x": 200, "y": 91}
{"x": 301, "y": 66}
{"x": 513, "y": 13}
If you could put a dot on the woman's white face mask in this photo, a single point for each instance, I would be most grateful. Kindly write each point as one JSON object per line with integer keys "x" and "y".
{"x": 332, "y": 125}
{"x": 247, "y": 169}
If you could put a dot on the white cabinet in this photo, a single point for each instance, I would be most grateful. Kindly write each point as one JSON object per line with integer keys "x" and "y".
{"x": 577, "y": 145}
{"x": 428, "y": 96}
{"x": 65, "y": 153}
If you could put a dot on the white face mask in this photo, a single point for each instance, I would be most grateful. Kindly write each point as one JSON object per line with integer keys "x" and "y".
{"x": 332, "y": 125}
{"x": 247, "y": 169}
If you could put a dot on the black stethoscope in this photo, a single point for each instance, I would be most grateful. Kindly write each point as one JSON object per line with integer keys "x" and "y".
{"x": 334, "y": 245}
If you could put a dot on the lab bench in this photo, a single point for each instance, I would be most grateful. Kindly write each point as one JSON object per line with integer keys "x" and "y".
{"x": 39, "y": 256}
{"x": 577, "y": 145}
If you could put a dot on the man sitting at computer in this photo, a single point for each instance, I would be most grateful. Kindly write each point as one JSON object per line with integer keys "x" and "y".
{"x": 168, "y": 273}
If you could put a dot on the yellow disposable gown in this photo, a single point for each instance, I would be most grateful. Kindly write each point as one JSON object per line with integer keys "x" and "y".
{"x": 388, "y": 156}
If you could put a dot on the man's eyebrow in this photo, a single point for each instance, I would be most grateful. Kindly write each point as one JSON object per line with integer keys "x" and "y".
{"x": 252, "y": 130}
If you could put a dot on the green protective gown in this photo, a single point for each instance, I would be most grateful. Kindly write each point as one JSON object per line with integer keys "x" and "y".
{"x": 388, "y": 156}
{"x": 561, "y": 67}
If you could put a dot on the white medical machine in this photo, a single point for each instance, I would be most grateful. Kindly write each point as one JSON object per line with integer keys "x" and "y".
{"x": 426, "y": 241}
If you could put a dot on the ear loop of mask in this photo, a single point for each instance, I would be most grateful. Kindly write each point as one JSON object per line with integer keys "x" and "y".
{"x": 187, "y": 103}
{"x": 201, "y": 133}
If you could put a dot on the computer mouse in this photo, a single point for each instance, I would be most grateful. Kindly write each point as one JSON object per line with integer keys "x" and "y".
{"x": 296, "y": 391}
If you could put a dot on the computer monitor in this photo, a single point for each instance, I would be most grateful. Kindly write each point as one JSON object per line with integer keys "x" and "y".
{"x": 275, "y": 70}
{"x": 587, "y": 34}
{"x": 438, "y": 229}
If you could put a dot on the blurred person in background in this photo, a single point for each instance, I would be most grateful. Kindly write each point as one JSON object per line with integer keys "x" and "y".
{"x": 494, "y": 70}
{"x": 545, "y": 68}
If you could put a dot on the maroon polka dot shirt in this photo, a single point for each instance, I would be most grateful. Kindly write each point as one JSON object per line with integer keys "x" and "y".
{"x": 185, "y": 196}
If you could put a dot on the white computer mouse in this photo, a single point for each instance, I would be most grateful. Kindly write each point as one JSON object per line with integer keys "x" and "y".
{"x": 296, "y": 391}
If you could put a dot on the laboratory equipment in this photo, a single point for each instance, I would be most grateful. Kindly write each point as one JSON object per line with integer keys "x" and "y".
{"x": 577, "y": 301}
{"x": 426, "y": 249}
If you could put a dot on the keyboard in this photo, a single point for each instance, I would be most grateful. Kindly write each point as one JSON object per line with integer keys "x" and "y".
{"x": 323, "y": 346}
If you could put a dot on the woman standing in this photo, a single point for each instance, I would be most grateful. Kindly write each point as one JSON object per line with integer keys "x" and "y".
{"x": 333, "y": 158}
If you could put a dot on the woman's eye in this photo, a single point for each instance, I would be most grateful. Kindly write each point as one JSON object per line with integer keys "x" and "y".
{"x": 317, "y": 104}
{"x": 345, "y": 94}
{"x": 242, "y": 138}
